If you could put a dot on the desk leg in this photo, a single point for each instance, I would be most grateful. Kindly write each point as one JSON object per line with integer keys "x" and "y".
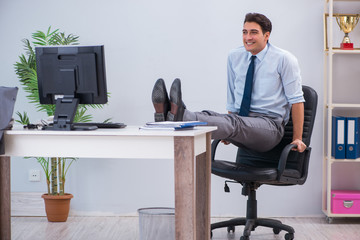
{"x": 185, "y": 228}
{"x": 203, "y": 186}
{"x": 5, "y": 211}
{"x": 192, "y": 190}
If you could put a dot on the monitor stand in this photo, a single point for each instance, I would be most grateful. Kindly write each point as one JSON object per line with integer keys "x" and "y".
{"x": 65, "y": 111}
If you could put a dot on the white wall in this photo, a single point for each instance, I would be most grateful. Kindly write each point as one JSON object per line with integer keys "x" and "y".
{"x": 145, "y": 40}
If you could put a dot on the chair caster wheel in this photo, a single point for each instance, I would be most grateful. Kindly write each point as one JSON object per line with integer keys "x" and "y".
{"x": 276, "y": 230}
{"x": 231, "y": 229}
{"x": 244, "y": 238}
{"x": 289, "y": 236}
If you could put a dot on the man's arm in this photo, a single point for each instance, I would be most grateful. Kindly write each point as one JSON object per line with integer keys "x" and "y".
{"x": 297, "y": 112}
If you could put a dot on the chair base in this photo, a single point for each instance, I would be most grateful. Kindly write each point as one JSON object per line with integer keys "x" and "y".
{"x": 251, "y": 224}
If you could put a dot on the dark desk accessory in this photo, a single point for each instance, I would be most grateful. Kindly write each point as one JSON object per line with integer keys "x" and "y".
{"x": 69, "y": 76}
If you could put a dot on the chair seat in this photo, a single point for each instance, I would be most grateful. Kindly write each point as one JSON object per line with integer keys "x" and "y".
{"x": 245, "y": 173}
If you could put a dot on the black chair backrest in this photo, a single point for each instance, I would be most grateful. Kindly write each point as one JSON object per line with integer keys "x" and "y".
{"x": 271, "y": 158}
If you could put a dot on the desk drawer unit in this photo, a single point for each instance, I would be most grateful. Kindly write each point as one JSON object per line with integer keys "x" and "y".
{"x": 345, "y": 202}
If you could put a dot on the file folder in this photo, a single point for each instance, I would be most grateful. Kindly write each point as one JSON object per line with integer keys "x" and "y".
{"x": 352, "y": 143}
{"x": 338, "y": 137}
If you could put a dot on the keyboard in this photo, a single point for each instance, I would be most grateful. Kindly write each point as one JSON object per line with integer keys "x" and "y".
{"x": 100, "y": 125}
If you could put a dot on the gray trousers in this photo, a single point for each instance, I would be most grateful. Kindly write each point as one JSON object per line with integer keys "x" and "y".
{"x": 257, "y": 131}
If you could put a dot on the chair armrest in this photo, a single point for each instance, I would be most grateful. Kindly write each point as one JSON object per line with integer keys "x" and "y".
{"x": 283, "y": 159}
{"x": 214, "y": 145}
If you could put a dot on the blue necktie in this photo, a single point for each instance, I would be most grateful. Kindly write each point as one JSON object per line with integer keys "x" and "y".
{"x": 245, "y": 103}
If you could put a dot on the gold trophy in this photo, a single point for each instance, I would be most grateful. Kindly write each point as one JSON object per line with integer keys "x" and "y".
{"x": 347, "y": 24}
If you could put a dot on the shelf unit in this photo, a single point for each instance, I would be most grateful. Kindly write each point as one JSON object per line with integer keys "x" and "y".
{"x": 329, "y": 51}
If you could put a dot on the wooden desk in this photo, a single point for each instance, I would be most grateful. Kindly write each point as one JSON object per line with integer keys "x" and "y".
{"x": 190, "y": 150}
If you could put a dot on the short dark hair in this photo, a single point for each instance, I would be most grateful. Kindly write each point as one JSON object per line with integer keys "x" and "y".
{"x": 260, "y": 19}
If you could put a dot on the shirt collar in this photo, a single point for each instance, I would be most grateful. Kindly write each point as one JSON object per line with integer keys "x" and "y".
{"x": 260, "y": 56}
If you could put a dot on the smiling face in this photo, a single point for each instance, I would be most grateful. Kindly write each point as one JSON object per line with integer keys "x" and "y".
{"x": 253, "y": 37}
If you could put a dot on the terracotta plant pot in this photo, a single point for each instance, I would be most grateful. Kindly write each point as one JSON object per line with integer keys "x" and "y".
{"x": 57, "y": 207}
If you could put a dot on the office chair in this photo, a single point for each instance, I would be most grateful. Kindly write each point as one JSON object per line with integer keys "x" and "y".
{"x": 7, "y": 103}
{"x": 280, "y": 166}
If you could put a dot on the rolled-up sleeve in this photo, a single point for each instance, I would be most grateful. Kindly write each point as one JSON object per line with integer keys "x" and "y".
{"x": 291, "y": 79}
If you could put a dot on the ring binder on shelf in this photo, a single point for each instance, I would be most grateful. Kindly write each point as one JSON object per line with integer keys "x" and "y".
{"x": 352, "y": 143}
{"x": 338, "y": 137}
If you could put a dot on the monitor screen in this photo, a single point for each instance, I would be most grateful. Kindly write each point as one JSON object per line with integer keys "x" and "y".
{"x": 68, "y": 76}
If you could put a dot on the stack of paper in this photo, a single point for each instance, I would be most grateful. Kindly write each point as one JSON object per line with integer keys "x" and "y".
{"x": 168, "y": 125}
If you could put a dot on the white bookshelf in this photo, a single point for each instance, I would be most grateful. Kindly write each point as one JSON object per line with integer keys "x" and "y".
{"x": 332, "y": 48}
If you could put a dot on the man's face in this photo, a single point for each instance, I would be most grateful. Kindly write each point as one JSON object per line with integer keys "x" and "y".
{"x": 253, "y": 37}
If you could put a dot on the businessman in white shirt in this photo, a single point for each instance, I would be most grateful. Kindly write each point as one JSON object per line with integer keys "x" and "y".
{"x": 276, "y": 90}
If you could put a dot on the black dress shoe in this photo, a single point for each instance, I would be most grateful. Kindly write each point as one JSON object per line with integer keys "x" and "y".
{"x": 176, "y": 112}
{"x": 160, "y": 101}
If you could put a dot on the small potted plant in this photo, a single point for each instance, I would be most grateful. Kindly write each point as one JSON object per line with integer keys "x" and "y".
{"x": 55, "y": 168}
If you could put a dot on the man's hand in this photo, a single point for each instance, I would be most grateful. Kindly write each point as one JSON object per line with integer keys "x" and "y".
{"x": 300, "y": 145}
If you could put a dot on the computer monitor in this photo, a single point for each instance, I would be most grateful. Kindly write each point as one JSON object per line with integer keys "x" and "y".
{"x": 68, "y": 76}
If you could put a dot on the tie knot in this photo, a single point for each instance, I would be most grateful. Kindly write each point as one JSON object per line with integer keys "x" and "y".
{"x": 253, "y": 57}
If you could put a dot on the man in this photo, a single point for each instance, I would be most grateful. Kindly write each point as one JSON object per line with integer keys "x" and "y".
{"x": 264, "y": 85}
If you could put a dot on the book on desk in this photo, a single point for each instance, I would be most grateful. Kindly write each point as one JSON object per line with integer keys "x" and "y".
{"x": 173, "y": 126}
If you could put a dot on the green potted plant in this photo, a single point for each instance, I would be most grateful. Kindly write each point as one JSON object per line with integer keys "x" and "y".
{"x": 55, "y": 168}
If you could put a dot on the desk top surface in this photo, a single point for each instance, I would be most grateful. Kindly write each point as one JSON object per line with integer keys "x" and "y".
{"x": 127, "y": 131}
{"x": 129, "y": 142}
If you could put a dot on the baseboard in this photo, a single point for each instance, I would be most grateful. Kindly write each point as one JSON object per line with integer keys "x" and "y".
{"x": 27, "y": 204}
{"x": 30, "y": 204}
